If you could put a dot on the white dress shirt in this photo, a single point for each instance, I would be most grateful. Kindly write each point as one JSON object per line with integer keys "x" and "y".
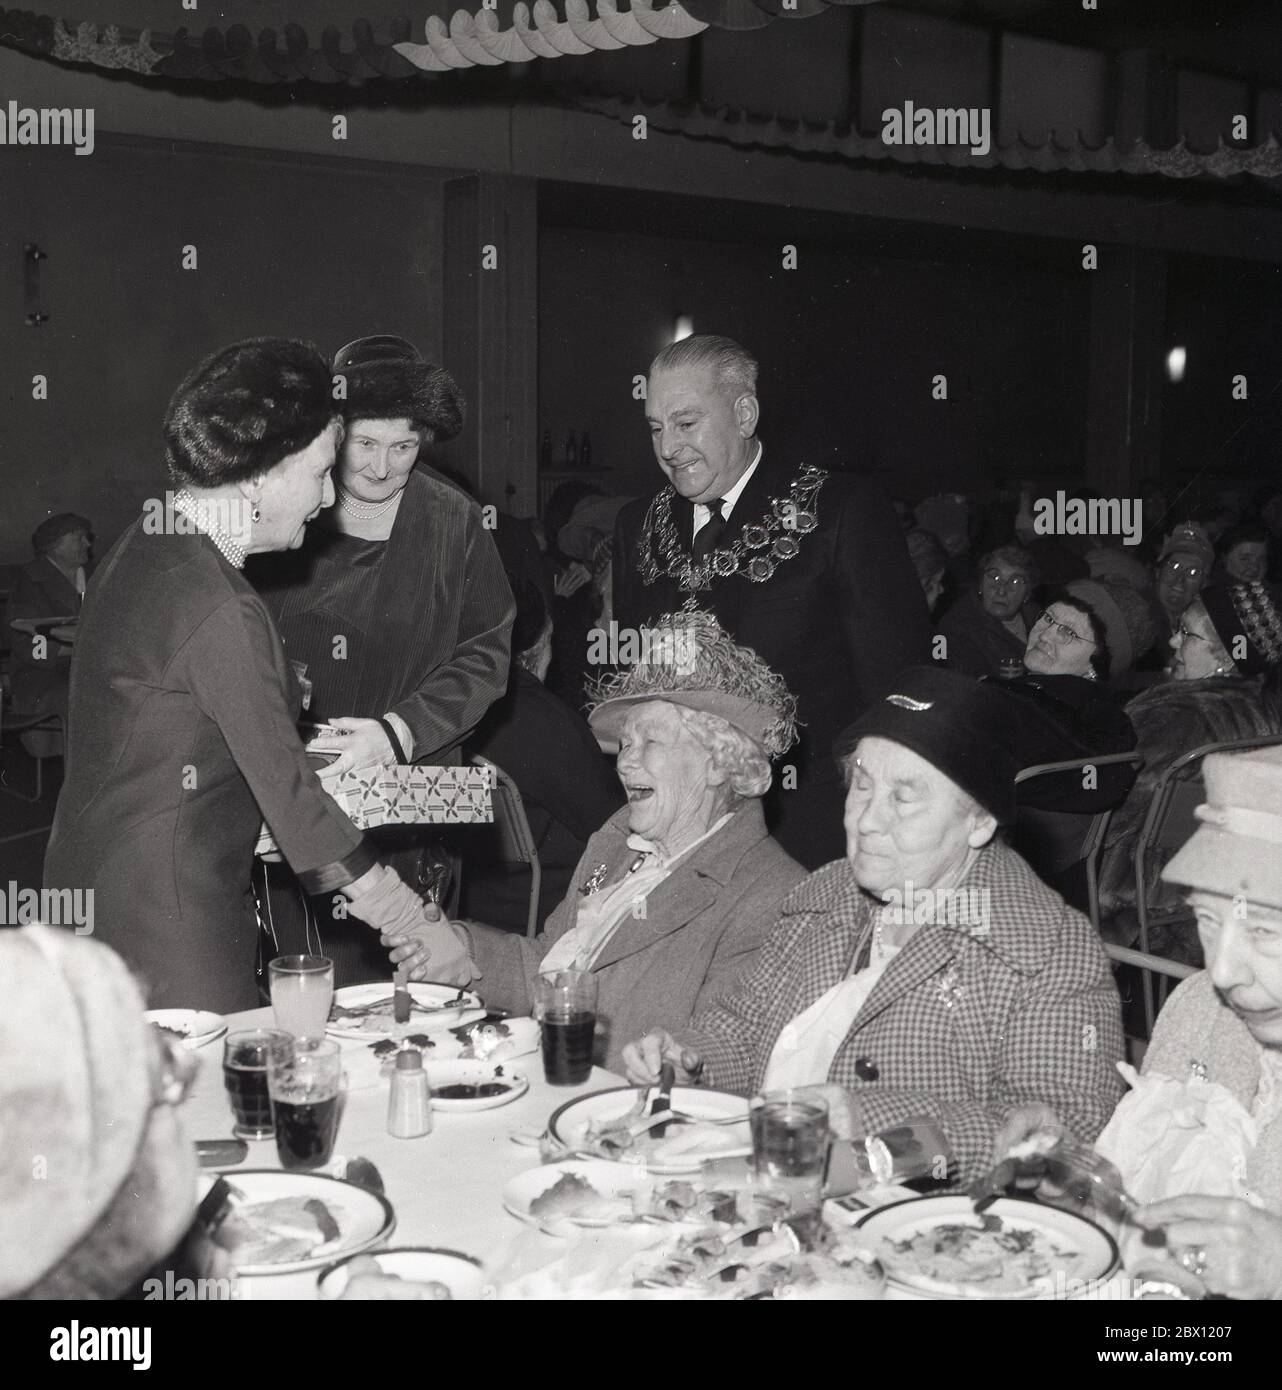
{"x": 703, "y": 515}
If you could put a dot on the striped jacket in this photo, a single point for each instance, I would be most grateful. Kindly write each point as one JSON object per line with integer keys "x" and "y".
{"x": 964, "y": 1025}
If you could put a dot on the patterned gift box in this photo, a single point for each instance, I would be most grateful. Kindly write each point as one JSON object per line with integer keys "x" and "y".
{"x": 374, "y": 796}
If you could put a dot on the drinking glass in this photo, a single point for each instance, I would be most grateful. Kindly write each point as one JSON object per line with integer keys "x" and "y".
{"x": 565, "y": 1006}
{"x": 305, "y": 1080}
{"x": 302, "y": 992}
{"x": 790, "y": 1141}
{"x": 246, "y": 1056}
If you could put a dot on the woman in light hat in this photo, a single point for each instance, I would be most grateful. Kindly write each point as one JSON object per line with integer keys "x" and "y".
{"x": 1210, "y": 697}
{"x": 930, "y": 971}
{"x": 1199, "y": 1137}
{"x": 674, "y": 893}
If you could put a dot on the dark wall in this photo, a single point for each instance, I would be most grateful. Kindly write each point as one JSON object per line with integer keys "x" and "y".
{"x": 848, "y": 344}
{"x": 293, "y": 247}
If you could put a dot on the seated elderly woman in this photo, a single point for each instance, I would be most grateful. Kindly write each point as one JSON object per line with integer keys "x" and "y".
{"x": 1062, "y": 708}
{"x": 1199, "y": 1137}
{"x": 676, "y": 891}
{"x": 987, "y": 992}
{"x": 1209, "y": 697}
{"x": 986, "y": 628}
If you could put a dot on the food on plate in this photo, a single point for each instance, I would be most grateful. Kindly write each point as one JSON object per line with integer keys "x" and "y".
{"x": 368, "y": 1281}
{"x": 280, "y": 1231}
{"x": 685, "y": 1139}
{"x": 471, "y": 1090}
{"x": 992, "y": 1255}
{"x": 574, "y": 1198}
{"x": 182, "y": 1034}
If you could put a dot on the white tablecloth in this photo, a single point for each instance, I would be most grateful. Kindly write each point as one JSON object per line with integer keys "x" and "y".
{"x": 445, "y": 1186}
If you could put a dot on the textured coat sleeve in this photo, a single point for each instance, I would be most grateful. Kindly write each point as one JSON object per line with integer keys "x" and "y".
{"x": 234, "y": 680}
{"x": 1059, "y": 1046}
{"x": 730, "y": 1033}
{"x": 449, "y": 705}
{"x": 879, "y": 597}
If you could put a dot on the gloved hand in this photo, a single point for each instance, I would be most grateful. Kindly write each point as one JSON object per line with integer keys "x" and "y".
{"x": 436, "y": 950}
{"x": 385, "y": 902}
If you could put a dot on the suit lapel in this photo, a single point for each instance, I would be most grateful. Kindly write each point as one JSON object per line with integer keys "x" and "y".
{"x": 754, "y": 500}
{"x": 680, "y": 898}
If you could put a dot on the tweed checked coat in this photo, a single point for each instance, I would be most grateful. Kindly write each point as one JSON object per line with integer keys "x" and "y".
{"x": 964, "y": 1025}
{"x": 703, "y": 928}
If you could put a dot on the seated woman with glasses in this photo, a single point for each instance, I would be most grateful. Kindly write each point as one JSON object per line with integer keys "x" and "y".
{"x": 1222, "y": 684}
{"x": 986, "y": 628}
{"x": 1064, "y": 708}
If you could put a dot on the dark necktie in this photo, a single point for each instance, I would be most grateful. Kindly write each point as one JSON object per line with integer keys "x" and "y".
{"x": 710, "y": 532}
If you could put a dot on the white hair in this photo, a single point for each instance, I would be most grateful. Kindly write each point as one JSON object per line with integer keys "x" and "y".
{"x": 742, "y": 760}
{"x": 734, "y": 367}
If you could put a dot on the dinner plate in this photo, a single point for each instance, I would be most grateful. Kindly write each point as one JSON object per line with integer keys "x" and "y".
{"x": 570, "y": 1123}
{"x": 462, "y": 1274}
{"x": 442, "y": 1075}
{"x": 609, "y": 1179}
{"x": 198, "y": 1026}
{"x": 1077, "y": 1254}
{"x": 365, "y": 1219}
{"x": 442, "y": 997}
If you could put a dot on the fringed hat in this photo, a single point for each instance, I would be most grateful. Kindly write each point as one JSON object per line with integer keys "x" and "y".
{"x": 1248, "y": 619}
{"x": 689, "y": 659}
{"x": 388, "y": 378}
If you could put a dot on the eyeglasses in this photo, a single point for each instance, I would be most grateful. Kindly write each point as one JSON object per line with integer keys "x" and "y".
{"x": 1175, "y": 567}
{"x": 174, "y": 1069}
{"x": 1015, "y": 581}
{"x": 1063, "y": 631}
{"x": 1184, "y": 634}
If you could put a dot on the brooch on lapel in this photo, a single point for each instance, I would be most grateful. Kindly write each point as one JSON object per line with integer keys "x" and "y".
{"x": 948, "y": 990}
{"x": 592, "y": 884}
{"x": 1197, "y": 1069}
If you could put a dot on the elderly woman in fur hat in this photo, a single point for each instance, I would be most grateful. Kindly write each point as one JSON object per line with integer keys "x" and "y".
{"x": 675, "y": 892}
{"x": 1199, "y": 1137}
{"x": 397, "y": 604}
{"x": 930, "y": 972}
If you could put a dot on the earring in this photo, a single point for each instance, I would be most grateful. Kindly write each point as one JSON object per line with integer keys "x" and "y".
{"x": 255, "y": 515}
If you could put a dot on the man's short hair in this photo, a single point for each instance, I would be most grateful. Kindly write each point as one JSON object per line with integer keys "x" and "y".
{"x": 734, "y": 367}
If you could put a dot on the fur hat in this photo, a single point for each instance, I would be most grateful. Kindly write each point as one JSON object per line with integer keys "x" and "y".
{"x": 243, "y": 410}
{"x": 75, "y": 1094}
{"x": 689, "y": 659}
{"x": 1249, "y": 614}
{"x": 1129, "y": 627}
{"x": 388, "y": 378}
{"x": 1238, "y": 847}
{"x": 959, "y": 725}
{"x": 1189, "y": 539}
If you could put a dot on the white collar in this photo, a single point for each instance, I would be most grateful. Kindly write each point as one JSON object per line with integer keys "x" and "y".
{"x": 644, "y": 846}
{"x": 731, "y": 496}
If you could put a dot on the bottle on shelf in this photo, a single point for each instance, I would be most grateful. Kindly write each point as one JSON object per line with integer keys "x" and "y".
{"x": 585, "y": 452}
{"x": 571, "y": 451}
{"x": 545, "y": 450}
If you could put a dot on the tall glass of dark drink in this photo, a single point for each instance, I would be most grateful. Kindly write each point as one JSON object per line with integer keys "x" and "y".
{"x": 790, "y": 1146}
{"x": 305, "y": 1083}
{"x": 565, "y": 1005}
{"x": 246, "y": 1056}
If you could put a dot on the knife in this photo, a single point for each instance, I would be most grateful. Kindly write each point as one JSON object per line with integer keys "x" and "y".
{"x": 221, "y": 1153}
{"x": 663, "y": 1100}
{"x": 402, "y": 1000}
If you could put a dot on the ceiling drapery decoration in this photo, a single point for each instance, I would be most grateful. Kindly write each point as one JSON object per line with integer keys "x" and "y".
{"x": 839, "y": 139}
{"x": 471, "y": 38}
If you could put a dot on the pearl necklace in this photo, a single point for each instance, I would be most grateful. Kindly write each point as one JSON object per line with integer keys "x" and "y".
{"x": 365, "y": 511}
{"x": 197, "y": 511}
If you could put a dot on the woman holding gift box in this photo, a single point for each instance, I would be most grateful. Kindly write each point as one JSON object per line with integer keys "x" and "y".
{"x": 182, "y": 705}
{"x": 398, "y": 604}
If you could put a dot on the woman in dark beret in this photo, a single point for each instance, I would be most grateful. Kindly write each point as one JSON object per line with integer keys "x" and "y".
{"x": 397, "y": 603}
{"x": 182, "y": 731}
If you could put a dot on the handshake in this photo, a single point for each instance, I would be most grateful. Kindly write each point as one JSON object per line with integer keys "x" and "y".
{"x": 420, "y": 938}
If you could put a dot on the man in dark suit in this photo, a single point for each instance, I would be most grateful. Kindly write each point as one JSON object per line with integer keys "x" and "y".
{"x": 809, "y": 568}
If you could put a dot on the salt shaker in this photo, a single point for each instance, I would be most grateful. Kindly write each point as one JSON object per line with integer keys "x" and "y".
{"x": 409, "y": 1109}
